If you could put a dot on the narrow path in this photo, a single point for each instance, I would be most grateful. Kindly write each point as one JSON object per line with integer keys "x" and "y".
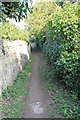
{"x": 37, "y": 103}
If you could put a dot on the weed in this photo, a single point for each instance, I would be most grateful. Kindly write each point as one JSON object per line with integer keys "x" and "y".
{"x": 14, "y": 96}
{"x": 62, "y": 101}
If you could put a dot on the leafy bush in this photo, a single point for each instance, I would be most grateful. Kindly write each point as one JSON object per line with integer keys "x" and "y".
{"x": 56, "y": 31}
{"x": 2, "y": 14}
{"x": 63, "y": 50}
{"x": 38, "y": 19}
{"x": 17, "y": 10}
{"x": 10, "y": 32}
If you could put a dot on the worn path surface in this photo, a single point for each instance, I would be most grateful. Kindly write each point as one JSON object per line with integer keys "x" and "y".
{"x": 37, "y": 102}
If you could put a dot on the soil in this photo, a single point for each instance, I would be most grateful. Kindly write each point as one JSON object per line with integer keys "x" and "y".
{"x": 37, "y": 101}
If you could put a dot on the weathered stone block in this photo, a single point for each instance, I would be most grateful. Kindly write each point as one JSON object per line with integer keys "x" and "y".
{"x": 17, "y": 54}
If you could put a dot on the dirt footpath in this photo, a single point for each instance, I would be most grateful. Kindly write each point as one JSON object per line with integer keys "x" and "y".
{"x": 37, "y": 102}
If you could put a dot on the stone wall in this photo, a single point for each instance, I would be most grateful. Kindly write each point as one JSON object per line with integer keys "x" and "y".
{"x": 14, "y": 55}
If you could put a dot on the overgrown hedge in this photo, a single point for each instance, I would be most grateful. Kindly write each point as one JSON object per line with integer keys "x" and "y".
{"x": 37, "y": 21}
{"x": 60, "y": 24}
{"x": 63, "y": 52}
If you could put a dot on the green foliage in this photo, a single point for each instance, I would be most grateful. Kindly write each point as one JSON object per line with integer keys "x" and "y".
{"x": 63, "y": 102}
{"x": 38, "y": 19}
{"x": 10, "y": 32}
{"x": 57, "y": 27}
{"x": 17, "y": 10}
{"x": 13, "y": 96}
{"x": 63, "y": 50}
{"x": 2, "y": 14}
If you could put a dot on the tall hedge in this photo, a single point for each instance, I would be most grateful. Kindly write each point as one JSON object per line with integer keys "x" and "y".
{"x": 63, "y": 51}
{"x": 58, "y": 28}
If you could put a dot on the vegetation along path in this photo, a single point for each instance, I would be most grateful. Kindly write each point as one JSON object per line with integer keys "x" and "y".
{"x": 37, "y": 103}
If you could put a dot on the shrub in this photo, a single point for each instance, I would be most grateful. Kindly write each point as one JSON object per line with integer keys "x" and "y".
{"x": 63, "y": 50}
{"x": 56, "y": 31}
{"x": 10, "y": 32}
{"x": 38, "y": 19}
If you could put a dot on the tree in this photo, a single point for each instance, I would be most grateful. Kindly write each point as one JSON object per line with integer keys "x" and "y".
{"x": 17, "y": 10}
{"x": 40, "y": 13}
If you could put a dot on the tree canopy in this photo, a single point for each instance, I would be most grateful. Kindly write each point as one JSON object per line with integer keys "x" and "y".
{"x": 17, "y": 10}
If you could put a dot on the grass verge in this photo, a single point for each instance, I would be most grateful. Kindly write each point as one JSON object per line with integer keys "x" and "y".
{"x": 14, "y": 96}
{"x": 63, "y": 103}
